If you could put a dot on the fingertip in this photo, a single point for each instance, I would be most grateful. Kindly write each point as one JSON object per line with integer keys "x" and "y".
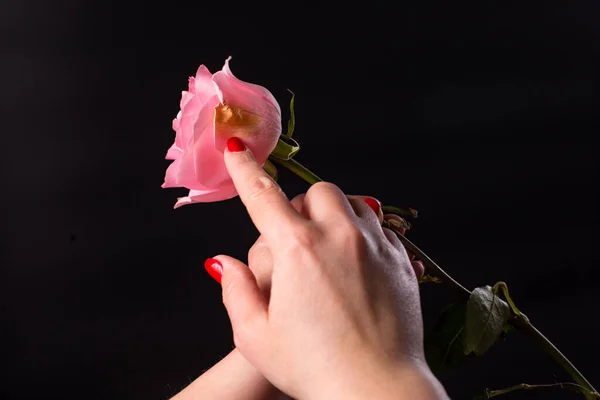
{"x": 214, "y": 268}
{"x": 419, "y": 268}
{"x": 235, "y": 145}
{"x": 372, "y": 202}
{"x": 375, "y": 205}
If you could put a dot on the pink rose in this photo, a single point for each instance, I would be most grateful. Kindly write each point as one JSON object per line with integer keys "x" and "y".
{"x": 215, "y": 108}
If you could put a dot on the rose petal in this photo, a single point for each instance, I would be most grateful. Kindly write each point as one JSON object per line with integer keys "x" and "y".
{"x": 207, "y": 196}
{"x": 181, "y": 172}
{"x": 185, "y": 99}
{"x": 209, "y": 164}
{"x": 174, "y": 153}
{"x": 203, "y": 86}
{"x": 226, "y": 79}
{"x": 188, "y": 119}
{"x": 254, "y": 99}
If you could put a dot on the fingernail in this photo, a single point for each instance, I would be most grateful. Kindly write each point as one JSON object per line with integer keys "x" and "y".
{"x": 235, "y": 145}
{"x": 374, "y": 204}
{"x": 214, "y": 269}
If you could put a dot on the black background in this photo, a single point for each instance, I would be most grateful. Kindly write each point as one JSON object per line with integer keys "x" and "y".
{"x": 482, "y": 117}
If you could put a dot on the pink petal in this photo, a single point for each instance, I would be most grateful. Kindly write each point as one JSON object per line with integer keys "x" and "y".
{"x": 174, "y": 153}
{"x": 181, "y": 172}
{"x": 225, "y": 78}
{"x": 209, "y": 162}
{"x": 203, "y": 86}
{"x": 185, "y": 99}
{"x": 253, "y": 99}
{"x": 207, "y": 196}
{"x": 190, "y": 115}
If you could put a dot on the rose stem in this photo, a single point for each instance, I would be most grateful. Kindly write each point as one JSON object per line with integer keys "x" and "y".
{"x": 298, "y": 169}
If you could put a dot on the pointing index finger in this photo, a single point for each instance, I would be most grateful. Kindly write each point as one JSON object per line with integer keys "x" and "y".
{"x": 266, "y": 203}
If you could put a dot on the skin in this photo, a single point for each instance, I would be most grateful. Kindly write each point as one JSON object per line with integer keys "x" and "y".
{"x": 328, "y": 306}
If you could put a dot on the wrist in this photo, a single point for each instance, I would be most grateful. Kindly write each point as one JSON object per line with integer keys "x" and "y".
{"x": 407, "y": 380}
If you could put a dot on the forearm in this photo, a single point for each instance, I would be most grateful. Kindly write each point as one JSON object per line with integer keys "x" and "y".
{"x": 231, "y": 378}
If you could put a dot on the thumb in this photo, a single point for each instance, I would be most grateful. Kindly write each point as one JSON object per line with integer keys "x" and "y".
{"x": 245, "y": 303}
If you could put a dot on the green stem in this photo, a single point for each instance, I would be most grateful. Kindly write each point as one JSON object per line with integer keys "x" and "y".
{"x": 298, "y": 169}
{"x": 433, "y": 269}
{"x": 526, "y": 327}
{"x": 524, "y": 386}
{"x": 520, "y": 322}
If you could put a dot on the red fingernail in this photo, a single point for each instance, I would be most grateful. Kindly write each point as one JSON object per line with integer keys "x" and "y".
{"x": 214, "y": 269}
{"x": 374, "y": 204}
{"x": 234, "y": 145}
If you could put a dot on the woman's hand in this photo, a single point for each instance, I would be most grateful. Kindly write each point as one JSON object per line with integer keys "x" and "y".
{"x": 343, "y": 318}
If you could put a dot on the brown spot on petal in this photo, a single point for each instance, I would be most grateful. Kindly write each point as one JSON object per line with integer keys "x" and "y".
{"x": 227, "y": 116}
{"x": 232, "y": 121}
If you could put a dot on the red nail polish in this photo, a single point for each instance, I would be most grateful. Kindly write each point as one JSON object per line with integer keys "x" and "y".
{"x": 234, "y": 145}
{"x": 214, "y": 269}
{"x": 374, "y": 204}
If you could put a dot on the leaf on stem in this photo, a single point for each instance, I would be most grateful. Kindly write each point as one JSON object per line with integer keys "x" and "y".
{"x": 444, "y": 343}
{"x": 410, "y": 213}
{"x": 292, "y": 122}
{"x": 428, "y": 278}
{"x": 285, "y": 149}
{"x": 399, "y": 224}
{"x": 485, "y": 319}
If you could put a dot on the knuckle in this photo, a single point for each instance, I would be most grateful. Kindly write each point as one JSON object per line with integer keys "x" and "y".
{"x": 354, "y": 237}
{"x": 262, "y": 185}
{"x": 351, "y": 240}
{"x": 244, "y": 157}
{"x": 303, "y": 237}
{"x": 253, "y": 254}
{"x": 321, "y": 187}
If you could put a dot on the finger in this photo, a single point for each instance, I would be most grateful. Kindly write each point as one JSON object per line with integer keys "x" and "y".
{"x": 372, "y": 202}
{"x": 260, "y": 258}
{"x": 325, "y": 201}
{"x": 260, "y": 262}
{"x": 392, "y": 237}
{"x": 298, "y": 203}
{"x": 396, "y": 242}
{"x": 419, "y": 268}
{"x": 267, "y": 205}
{"x": 398, "y": 223}
{"x": 245, "y": 304}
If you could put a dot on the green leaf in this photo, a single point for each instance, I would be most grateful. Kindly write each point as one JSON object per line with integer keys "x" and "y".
{"x": 506, "y": 328}
{"x": 428, "y": 278}
{"x": 443, "y": 344}
{"x": 292, "y": 121}
{"x": 485, "y": 320}
{"x": 285, "y": 149}
{"x": 270, "y": 169}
